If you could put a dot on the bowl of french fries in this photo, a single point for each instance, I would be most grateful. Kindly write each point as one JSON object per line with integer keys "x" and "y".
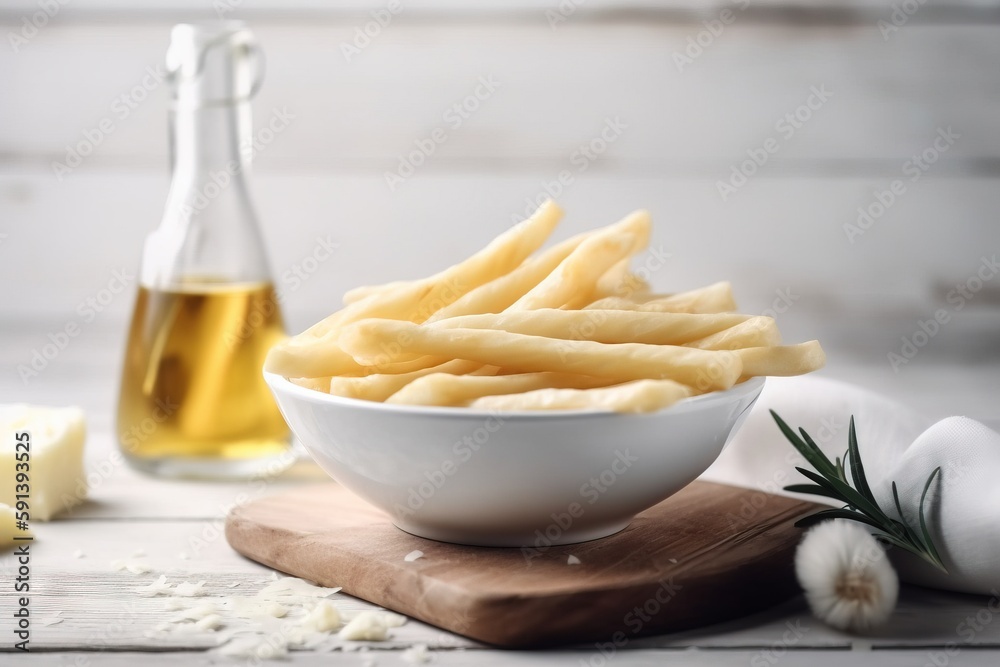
{"x": 526, "y": 396}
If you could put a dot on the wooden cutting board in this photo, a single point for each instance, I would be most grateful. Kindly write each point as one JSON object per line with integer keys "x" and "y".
{"x": 707, "y": 554}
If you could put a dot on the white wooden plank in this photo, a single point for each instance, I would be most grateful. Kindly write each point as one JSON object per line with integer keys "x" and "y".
{"x": 101, "y": 609}
{"x": 556, "y": 88}
{"x": 775, "y": 233}
{"x": 93, "y": 598}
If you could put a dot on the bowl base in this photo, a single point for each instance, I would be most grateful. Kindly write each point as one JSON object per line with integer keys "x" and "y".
{"x": 538, "y": 541}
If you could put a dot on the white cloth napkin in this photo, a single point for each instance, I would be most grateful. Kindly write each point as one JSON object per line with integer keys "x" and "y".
{"x": 896, "y": 443}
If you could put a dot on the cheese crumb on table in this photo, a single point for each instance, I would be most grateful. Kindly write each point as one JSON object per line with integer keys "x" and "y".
{"x": 372, "y": 626}
{"x": 310, "y": 620}
{"x": 417, "y": 654}
{"x": 158, "y": 587}
{"x": 572, "y": 560}
{"x": 189, "y": 590}
{"x": 132, "y": 565}
{"x": 56, "y": 438}
{"x": 211, "y": 622}
{"x": 324, "y": 617}
{"x": 413, "y": 555}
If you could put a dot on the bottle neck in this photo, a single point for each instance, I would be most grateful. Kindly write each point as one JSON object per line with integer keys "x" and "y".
{"x": 209, "y": 227}
{"x": 209, "y": 140}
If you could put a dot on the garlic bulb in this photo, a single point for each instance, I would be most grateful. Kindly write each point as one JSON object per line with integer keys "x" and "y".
{"x": 846, "y": 575}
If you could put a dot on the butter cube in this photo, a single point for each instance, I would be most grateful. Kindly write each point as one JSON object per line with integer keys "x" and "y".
{"x": 53, "y": 452}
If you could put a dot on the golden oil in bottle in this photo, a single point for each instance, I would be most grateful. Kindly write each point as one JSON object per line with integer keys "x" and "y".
{"x": 193, "y": 401}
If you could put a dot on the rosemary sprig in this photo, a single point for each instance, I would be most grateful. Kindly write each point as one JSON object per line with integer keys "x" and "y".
{"x": 830, "y": 481}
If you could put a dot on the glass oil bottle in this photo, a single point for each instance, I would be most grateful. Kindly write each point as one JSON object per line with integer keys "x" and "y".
{"x": 193, "y": 402}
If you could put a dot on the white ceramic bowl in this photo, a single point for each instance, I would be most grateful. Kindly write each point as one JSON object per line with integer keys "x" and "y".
{"x": 516, "y": 478}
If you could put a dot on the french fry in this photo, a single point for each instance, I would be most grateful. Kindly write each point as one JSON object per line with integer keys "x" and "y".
{"x": 381, "y": 386}
{"x": 783, "y": 360}
{"x": 499, "y": 294}
{"x": 702, "y": 369}
{"x": 616, "y": 281}
{"x": 715, "y": 298}
{"x": 639, "y": 396}
{"x": 419, "y": 300}
{"x": 581, "y": 270}
{"x": 316, "y": 384}
{"x": 306, "y": 356}
{"x": 567, "y": 328}
{"x": 365, "y": 291}
{"x": 399, "y": 367}
{"x": 456, "y": 390}
{"x": 754, "y": 332}
{"x": 607, "y": 326}
{"x": 619, "y": 281}
{"x": 315, "y": 352}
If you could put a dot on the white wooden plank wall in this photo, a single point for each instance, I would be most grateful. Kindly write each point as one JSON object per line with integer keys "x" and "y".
{"x": 683, "y": 129}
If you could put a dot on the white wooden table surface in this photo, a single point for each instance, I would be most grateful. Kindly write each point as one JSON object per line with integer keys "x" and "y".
{"x": 61, "y": 238}
{"x": 98, "y": 619}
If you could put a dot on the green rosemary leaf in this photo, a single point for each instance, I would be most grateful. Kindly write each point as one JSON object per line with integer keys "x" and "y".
{"x": 836, "y": 513}
{"x": 857, "y": 468}
{"x": 903, "y": 544}
{"x": 812, "y": 489}
{"x": 830, "y": 481}
{"x": 846, "y": 494}
{"x": 928, "y": 541}
{"x": 812, "y": 454}
{"x": 902, "y": 526}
